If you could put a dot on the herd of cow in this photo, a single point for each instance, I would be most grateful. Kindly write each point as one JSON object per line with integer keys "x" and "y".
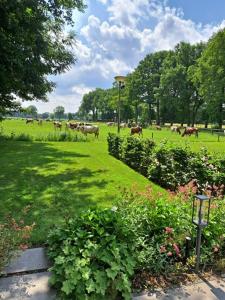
{"x": 87, "y": 128}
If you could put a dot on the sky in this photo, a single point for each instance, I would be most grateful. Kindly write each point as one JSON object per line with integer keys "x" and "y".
{"x": 112, "y": 36}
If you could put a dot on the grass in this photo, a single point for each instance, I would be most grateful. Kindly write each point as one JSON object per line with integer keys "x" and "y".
{"x": 59, "y": 179}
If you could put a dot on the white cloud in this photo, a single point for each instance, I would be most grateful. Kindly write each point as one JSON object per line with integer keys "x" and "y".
{"x": 115, "y": 45}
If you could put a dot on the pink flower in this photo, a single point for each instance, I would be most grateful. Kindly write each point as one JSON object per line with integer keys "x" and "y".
{"x": 169, "y": 253}
{"x": 168, "y": 230}
{"x": 176, "y": 248}
{"x": 162, "y": 249}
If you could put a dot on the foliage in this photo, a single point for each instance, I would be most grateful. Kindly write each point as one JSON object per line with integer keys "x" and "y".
{"x": 160, "y": 225}
{"x": 169, "y": 165}
{"x": 14, "y": 235}
{"x": 92, "y": 257}
{"x": 59, "y": 112}
{"x": 33, "y": 45}
{"x": 114, "y": 145}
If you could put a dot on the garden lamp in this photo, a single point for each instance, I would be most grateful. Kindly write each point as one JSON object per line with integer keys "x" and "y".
{"x": 121, "y": 83}
{"x": 200, "y": 217}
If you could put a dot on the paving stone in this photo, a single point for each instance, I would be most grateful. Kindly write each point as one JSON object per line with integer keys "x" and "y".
{"x": 27, "y": 261}
{"x": 26, "y": 287}
{"x": 204, "y": 290}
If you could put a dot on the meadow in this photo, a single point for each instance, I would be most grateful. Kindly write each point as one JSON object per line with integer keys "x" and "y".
{"x": 58, "y": 179}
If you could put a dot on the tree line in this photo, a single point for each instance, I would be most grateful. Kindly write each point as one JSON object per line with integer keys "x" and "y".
{"x": 183, "y": 85}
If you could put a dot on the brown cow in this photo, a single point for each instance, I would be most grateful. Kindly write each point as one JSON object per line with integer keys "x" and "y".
{"x": 137, "y": 130}
{"x": 57, "y": 125}
{"x": 190, "y": 130}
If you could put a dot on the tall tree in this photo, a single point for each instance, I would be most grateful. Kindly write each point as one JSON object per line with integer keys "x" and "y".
{"x": 59, "y": 112}
{"x": 32, "y": 110}
{"x": 210, "y": 76}
{"x": 180, "y": 96}
{"x": 33, "y": 44}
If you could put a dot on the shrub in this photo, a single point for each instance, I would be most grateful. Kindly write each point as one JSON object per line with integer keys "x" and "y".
{"x": 92, "y": 256}
{"x": 114, "y": 145}
{"x": 132, "y": 152}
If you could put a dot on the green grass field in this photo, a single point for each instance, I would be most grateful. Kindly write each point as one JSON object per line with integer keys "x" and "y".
{"x": 60, "y": 178}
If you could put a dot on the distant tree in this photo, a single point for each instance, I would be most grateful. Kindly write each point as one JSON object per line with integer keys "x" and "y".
{"x": 33, "y": 45}
{"x": 70, "y": 116}
{"x": 59, "y": 112}
{"x": 32, "y": 110}
{"x": 45, "y": 115}
{"x": 209, "y": 75}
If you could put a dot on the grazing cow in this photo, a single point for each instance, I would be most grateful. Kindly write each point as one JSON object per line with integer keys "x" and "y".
{"x": 158, "y": 127}
{"x": 57, "y": 125}
{"x": 71, "y": 125}
{"x": 110, "y": 124}
{"x": 89, "y": 129}
{"x": 137, "y": 130}
{"x": 190, "y": 130}
{"x": 29, "y": 121}
{"x": 175, "y": 129}
{"x": 123, "y": 125}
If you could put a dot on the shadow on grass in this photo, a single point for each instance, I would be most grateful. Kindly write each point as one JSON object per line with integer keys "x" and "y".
{"x": 40, "y": 175}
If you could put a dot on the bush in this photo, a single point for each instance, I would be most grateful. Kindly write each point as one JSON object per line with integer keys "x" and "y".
{"x": 92, "y": 256}
{"x": 132, "y": 152}
{"x": 159, "y": 227}
{"x": 115, "y": 145}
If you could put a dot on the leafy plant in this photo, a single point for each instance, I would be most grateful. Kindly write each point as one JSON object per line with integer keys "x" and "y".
{"x": 92, "y": 257}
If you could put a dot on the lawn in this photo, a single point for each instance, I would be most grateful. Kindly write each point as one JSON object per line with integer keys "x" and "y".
{"x": 59, "y": 179}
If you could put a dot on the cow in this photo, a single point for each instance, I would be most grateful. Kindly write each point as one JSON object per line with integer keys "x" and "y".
{"x": 158, "y": 127}
{"x": 123, "y": 125}
{"x": 110, "y": 124}
{"x": 137, "y": 130}
{"x": 71, "y": 125}
{"x": 175, "y": 129}
{"x": 190, "y": 130}
{"x": 89, "y": 130}
{"x": 57, "y": 125}
{"x": 29, "y": 121}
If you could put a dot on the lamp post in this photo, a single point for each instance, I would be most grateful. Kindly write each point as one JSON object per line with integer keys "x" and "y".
{"x": 200, "y": 217}
{"x": 121, "y": 83}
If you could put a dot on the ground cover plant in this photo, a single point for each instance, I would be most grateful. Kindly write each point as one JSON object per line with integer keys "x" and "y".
{"x": 105, "y": 252}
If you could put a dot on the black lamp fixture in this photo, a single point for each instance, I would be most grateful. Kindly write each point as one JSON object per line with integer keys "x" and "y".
{"x": 200, "y": 217}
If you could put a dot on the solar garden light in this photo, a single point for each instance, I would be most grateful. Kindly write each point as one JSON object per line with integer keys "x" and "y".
{"x": 200, "y": 217}
{"x": 121, "y": 83}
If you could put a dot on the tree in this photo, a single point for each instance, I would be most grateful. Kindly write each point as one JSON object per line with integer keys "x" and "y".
{"x": 33, "y": 44}
{"x": 209, "y": 75}
{"x": 70, "y": 116}
{"x": 45, "y": 115}
{"x": 59, "y": 112}
{"x": 180, "y": 97}
{"x": 149, "y": 70}
{"x": 32, "y": 111}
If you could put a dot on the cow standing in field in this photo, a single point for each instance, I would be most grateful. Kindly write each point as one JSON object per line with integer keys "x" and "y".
{"x": 123, "y": 125}
{"x": 158, "y": 127}
{"x": 110, "y": 124}
{"x": 57, "y": 125}
{"x": 175, "y": 129}
{"x": 190, "y": 130}
{"x": 89, "y": 130}
{"x": 29, "y": 121}
{"x": 136, "y": 130}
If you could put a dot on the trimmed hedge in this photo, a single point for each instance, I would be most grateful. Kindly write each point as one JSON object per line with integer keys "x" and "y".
{"x": 168, "y": 165}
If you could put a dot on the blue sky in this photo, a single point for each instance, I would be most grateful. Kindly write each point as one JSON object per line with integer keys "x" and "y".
{"x": 114, "y": 35}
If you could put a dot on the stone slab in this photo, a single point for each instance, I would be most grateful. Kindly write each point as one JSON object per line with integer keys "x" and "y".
{"x": 203, "y": 290}
{"x": 27, "y": 261}
{"x": 27, "y": 287}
